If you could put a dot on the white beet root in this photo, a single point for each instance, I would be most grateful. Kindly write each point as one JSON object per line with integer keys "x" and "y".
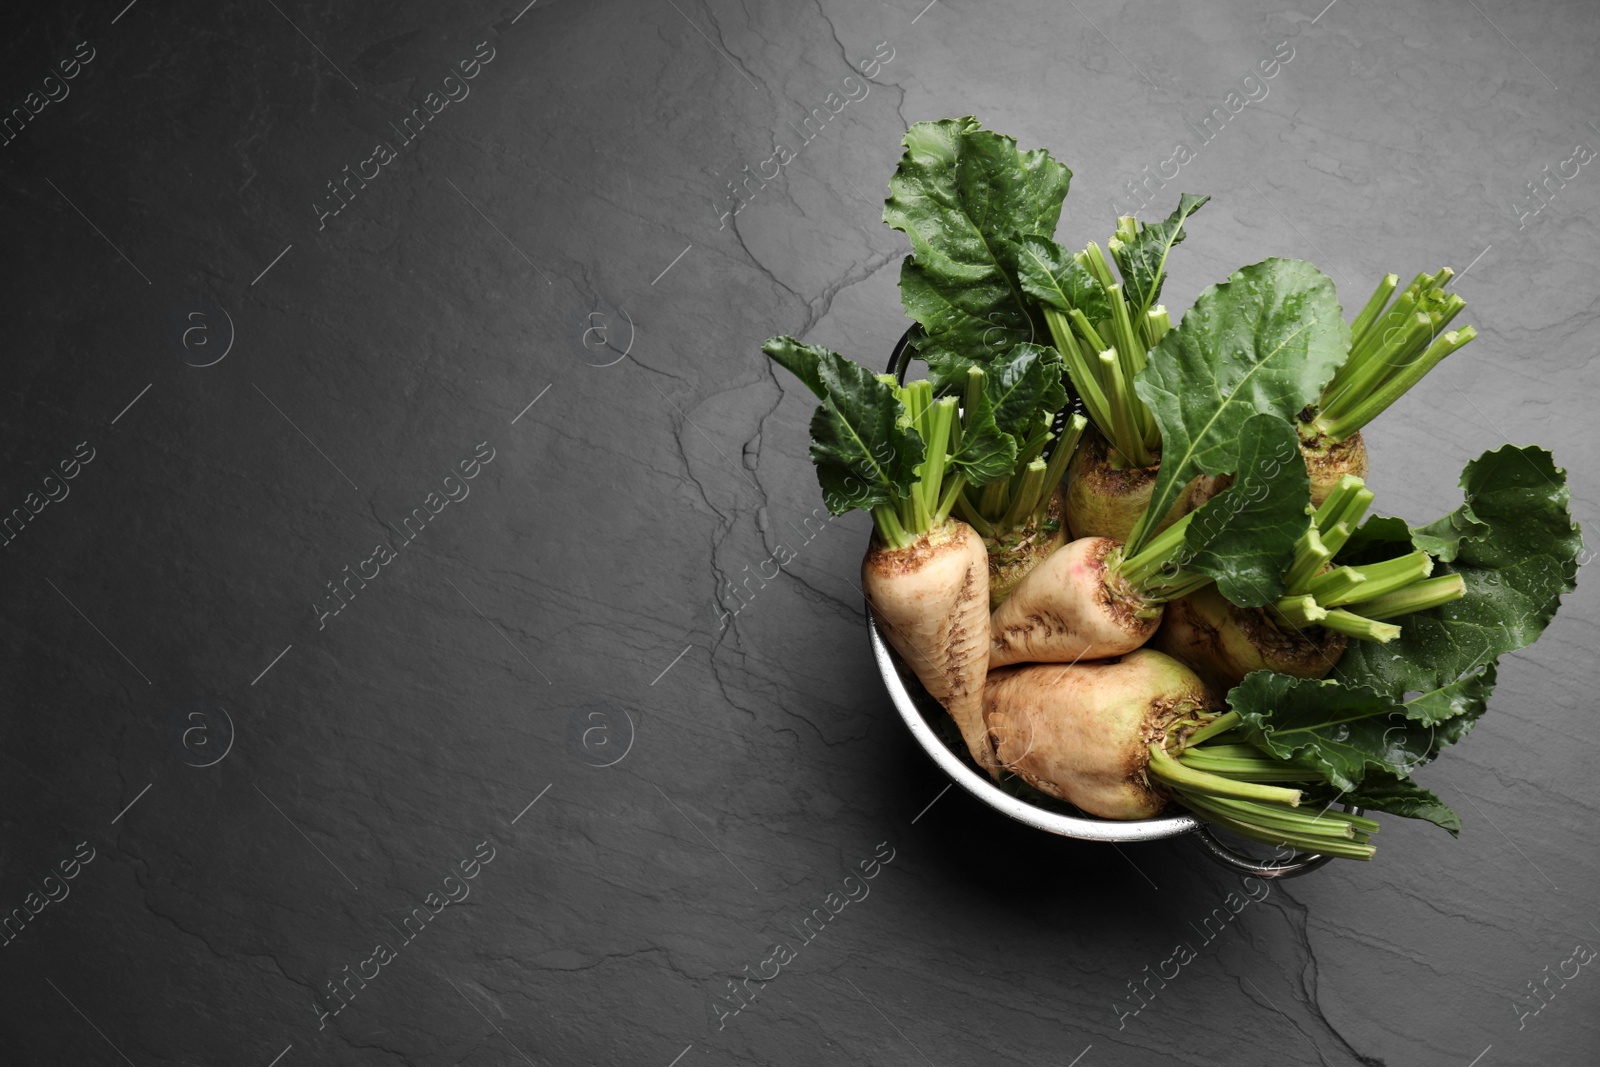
{"x": 1103, "y": 501}
{"x": 1067, "y": 608}
{"x": 1081, "y": 732}
{"x": 1223, "y": 642}
{"x": 931, "y": 601}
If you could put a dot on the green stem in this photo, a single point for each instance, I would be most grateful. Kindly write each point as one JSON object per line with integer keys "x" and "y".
{"x": 952, "y": 493}
{"x": 1337, "y": 501}
{"x": 918, "y": 398}
{"x": 1176, "y": 774}
{"x": 1411, "y": 340}
{"x": 1379, "y": 300}
{"x": 993, "y": 501}
{"x": 1360, "y": 823}
{"x": 1323, "y": 846}
{"x": 1078, "y": 369}
{"x": 1379, "y": 401}
{"x": 1378, "y": 362}
{"x": 1389, "y": 347}
{"x": 1163, "y": 551}
{"x": 1329, "y": 587}
{"x": 1157, "y": 324}
{"x": 1419, "y": 596}
{"x": 1404, "y": 335}
{"x": 1024, "y": 496}
{"x": 1086, "y": 330}
{"x": 1348, "y": 518}
{"x": 1423, "y": 281}
{"x": 1030, "y": 449}
{"x": 1179, "y": 584}
{"x": 1060, "y": 330}
{"x": 1237, "y": 736}
{"x": 1220, "y": 725}
{"x": 938, "y": 418}
{"x": 1375, "y": 579}
{"x": 1382, "y": 331}
{"x": 1438, "y": 303}
{"x": 1065, "y": 447}
{"x": 1300, "y": 611}
{"x": 970, "y": 516}
{"x": 1129, "y": 347}
{"x": 1336, "y": 537}
{"x": 1363, "y": 368}
{"x": 1310, "y": 555}
{"x": 1363, "y": 629}
{"x": 906, "y": 510}
{"x": 1336, "y": 825}
{"x": 1321, "y": 824}
{"x": 888, "y": 525}
{"x": 921, "y": 518}
{"x": 1258, "y": 823}
{"x": 974, "y": 390}
{"x": 1234, "y": 750}
{"x": 1127, "y": 438}
{"x": 1095, "y": 261}
{"x": 941, "y": 419}
{"x": 1256, "y": 770}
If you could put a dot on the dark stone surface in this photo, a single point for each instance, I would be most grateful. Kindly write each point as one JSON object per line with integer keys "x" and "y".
{"x": 701, "y": 783}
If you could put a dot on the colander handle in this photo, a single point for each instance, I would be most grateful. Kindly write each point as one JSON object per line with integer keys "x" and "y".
{"x": 900, "y": 358}
{"x": 1298, "y": 864}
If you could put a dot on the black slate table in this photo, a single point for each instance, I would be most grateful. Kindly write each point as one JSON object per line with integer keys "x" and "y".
{"x": 438, "y": 654}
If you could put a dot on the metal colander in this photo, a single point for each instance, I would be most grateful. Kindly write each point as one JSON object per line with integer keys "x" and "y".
{"x": 924, "y": 717}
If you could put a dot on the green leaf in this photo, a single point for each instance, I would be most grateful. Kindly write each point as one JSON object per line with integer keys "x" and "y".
{"x": 1245, "y": 536}
{"x": 1381, "y": 791}
{"x": 1021, "y": 390}
{"x": 1024, "y": 385}
{"x": 1053, "y": 276}
{"x": 800, "y": 360}
{"x": 1442, "y": 539}
{"x": 1456, "y": 707}
{"x": 865, "y": 452}
{"x": 1451, "y": 711}
{"x": 965, "y": 197}
{"x": 959, "y": 328}
{"x": 987, "y": 452}
{"x": 1265, "y": 340}
{"x": 1338, "y": 731}
{"x": 1521, "y": 497}
{"x": 1379, "y": 538}
{"x": 1396, "y": 706}
{"x": 1516, "y": 548}
{"x": 1143, "y": 260}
